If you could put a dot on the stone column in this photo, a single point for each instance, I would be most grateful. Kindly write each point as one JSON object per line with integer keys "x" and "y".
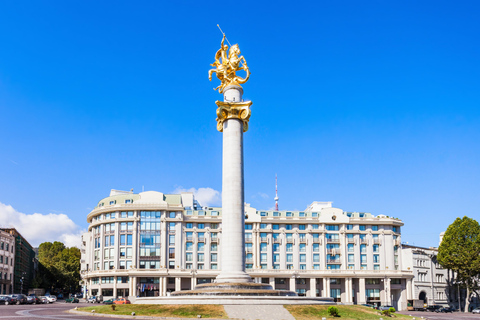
{"x": 164, "y": 286}
{"x": 292, "y": 284}
{"x": 409, "y": 289}
{"x": 361, "y": 291}
{"x": 178, "y": 284}
{"x": 313, "y": 287}
{"x": 232, "y": 119}
{"x": 272, "y": 282}
{"x": 133, "y": 286}
{"x": 349, "y": 289}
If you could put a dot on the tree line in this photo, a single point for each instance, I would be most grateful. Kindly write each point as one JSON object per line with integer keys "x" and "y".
{"x": 58, "y": 267}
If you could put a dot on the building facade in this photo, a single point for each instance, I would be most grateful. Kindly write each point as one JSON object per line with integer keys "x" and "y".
{"x": 150, "y": 244}
{"x": 7, "y": 259}
{"x": 431, "y": 281}
{"x": 24, "y": 262}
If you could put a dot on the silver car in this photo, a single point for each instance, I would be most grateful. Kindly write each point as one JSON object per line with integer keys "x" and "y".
{"x": 477, "y": 310}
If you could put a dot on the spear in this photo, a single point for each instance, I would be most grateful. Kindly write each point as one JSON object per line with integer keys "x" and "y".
{"x": 224, "y": 35}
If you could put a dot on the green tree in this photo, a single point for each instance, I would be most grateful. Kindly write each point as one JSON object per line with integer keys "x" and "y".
{"x": 460, "y": 252}
{"x": 62, "y": 266}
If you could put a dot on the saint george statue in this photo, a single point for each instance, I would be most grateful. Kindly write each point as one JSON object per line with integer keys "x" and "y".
{"x": 226, "y": 66}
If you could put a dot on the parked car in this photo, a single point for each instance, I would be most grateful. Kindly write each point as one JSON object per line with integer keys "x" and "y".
{"x": 477, "y": 310}
{"x": 79, "y": 295}
{"x": 444, "y": 310}
{"x": 109, "y": 301}
{"x": 122, "y": 301}
{"x": 71, "y": 300}
{"x": 21, "y": 298}
{"x": 382, "y": 308}
{"x": 433, "y": 308}
{"x": 94, "y": 299}
{"x": 7, "y": 300}
{"x": 33, "y": 299}
{"x": 51, "y": 298}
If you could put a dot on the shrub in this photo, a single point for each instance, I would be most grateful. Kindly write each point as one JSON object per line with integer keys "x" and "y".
{"x": 333, "y": 311}
{"x": 392, "y": 310}
{"x": 113, "y": 307}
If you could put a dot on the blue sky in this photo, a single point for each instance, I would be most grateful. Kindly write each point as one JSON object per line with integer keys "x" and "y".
{"x": 373, "y": 105}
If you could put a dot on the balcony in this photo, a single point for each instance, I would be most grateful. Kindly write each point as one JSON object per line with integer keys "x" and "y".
{"x": 376, "y": 241}
{"x": 289, "y": 240}
{"x": 333, "y": 252}
{"x": 336, "y": 261}
{"x": 350, "y": 240}
{"x": 316, "y": 240}
{"x": 363, "y": 241}
{"x": 333, "y": 240}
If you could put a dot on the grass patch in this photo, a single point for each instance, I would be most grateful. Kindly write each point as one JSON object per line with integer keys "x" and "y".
{"x": 315, "y": 312}
{"x": 160, "y": 310}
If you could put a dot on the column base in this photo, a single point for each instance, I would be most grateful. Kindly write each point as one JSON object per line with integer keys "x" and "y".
{"x": 233, "y": 277}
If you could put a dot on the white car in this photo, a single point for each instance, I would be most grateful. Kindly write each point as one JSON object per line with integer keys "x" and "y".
{"x": 477, "y": 310}
{"x": 51, "y": 299}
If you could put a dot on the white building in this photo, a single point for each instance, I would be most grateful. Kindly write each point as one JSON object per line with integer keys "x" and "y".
{"x": 7, "y": 261}
{"x": 430, "y": 280}
{"x": 149, "y": 244}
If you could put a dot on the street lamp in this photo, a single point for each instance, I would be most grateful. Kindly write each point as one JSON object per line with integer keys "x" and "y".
{"x": 21, "y": 281}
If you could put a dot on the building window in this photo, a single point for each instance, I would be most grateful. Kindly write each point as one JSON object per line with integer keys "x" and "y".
{"x": 248, "y": 226}
{"x": 263, "y": 226}
{"x": 349, "y": 226}
{"x": 263, "y": 246}
{"x": 331, "y": 227}
{"x": 213, "y": 247}
{"x": 289, "y": 257}
{"x": 362, "y": 228}
{"x": 288, "y": 227}
{"x": 301, "y": 227}
{"x": 316, "y": 247}
{"x": 374, "y": 228}
{"x": 275, "y": 227}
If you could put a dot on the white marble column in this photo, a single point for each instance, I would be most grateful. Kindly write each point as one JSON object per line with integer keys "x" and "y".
{"x": 313, "y": 287}
{"x": 409, "y": 289}
{"x": 361, "y": 299}
{"x": 292, "y": 285}
{"x": 233, "y": 219}
{"x": 178, "y": 284}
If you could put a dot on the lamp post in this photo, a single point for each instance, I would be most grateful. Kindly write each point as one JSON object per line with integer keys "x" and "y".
{"x": 21, "y": 281}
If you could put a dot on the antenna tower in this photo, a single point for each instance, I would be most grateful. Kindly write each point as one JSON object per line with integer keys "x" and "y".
{"x": 276, "y": 194}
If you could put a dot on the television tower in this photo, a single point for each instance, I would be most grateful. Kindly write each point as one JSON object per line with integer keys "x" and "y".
{"x": 276, "y": 194}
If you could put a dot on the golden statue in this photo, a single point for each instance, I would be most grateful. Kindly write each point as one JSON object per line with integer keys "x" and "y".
{"x": 227, "y": 66}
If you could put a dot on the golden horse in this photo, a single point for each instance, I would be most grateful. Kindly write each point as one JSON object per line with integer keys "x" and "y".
{"x": 226, "y": 67}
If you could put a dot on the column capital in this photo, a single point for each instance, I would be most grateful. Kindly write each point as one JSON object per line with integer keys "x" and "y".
{"x": 233, "y": 110}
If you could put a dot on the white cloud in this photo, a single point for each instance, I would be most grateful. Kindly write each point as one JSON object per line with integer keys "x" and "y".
{"x": 37, "y": 228}
{"x": 205, "y": 196}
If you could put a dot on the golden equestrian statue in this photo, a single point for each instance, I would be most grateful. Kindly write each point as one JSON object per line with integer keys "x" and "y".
{"x": 226, "y": 66}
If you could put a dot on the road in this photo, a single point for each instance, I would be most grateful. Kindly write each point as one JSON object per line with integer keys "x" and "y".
{"x": 57, "y": 311}
{"x": 442, "y": 316}
{"x": 54, "y": 311}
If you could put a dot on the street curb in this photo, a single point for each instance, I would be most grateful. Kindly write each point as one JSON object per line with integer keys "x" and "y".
{"x": 121, "y": 316}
